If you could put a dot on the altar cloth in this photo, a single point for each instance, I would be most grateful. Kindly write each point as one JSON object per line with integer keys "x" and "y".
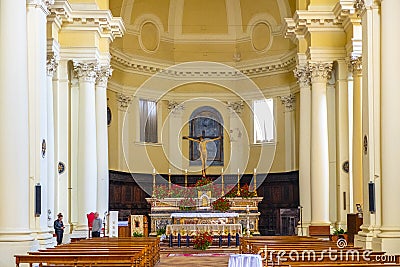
{"x": 205, "y": 215}
{"x": 245, "y": 260}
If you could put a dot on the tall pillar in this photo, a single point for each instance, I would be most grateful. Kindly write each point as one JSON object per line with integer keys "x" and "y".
{"x": 320, "y": 72}
{"x": 15, "y": 236}
{"x": 342, "y": 145}
{"x": 356, "y": 164}
{"x": 51, "y": 167}
{"x": 102, "y": 139}
{"x": 290, "y": 146}
{"x": 303, "y": 76}
{"x": 371, "y": 90}
{"x": 389, "y": 238}
{"x": 87, "y": 152}
{"x": 37, "y": 82}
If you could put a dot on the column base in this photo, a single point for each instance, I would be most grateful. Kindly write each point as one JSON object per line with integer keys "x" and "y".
{"x": 10, "y": 245}
{"x": 80, "y": 231}
{"x": 390, "y": 245}
{"x": 45, "y": 239}
{"x": 320, "y": 230}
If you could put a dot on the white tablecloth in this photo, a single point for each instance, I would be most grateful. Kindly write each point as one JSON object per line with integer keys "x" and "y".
{"x": 204, "y": 215}
{"x": 245, "y": 260}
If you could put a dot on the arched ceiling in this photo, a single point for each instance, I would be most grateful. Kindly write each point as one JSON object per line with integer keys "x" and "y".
{"x": 229, "y": 31}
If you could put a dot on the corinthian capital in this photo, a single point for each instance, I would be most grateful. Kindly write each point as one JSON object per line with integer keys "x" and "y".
{"x": 320, "y": 71}
{"x": 86, "y": 71}
{"x": 355, "y": 64}
{"x": 43, "y": 4}
{"x": 289, "y": 101}
{"x": 302, "y": 73}
{"x": 124, "y": 101}
{"x": 359, "y": 6}
{"x": 52, "y": 64}
{"x": 103, "y": 74}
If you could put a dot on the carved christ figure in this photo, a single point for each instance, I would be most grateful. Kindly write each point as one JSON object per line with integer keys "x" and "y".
{"x": 203, "y": 150}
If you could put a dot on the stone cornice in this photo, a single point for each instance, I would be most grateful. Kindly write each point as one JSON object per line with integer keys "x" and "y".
{"x": 100, "y": 20}
{"x": 127, "y": 63}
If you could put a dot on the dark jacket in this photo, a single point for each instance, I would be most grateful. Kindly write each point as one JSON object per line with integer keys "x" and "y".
{"x": 58, "y": 226}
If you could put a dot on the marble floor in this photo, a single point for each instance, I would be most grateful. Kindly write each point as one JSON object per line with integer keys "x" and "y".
{"x": 193, "y": 261}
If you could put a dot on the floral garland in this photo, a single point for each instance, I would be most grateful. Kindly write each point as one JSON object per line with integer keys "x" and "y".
{"x": 204, "y": 184}
{"x": 221, "y": 204}
{"x": 187, "y": 204}
{"x": 202, "y": 241}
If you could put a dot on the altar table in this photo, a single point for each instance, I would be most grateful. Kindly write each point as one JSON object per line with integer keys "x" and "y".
{"x": 245, "y": 260}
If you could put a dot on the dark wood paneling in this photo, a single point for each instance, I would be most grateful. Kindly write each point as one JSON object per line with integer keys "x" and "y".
{"x": 280, "y": 191}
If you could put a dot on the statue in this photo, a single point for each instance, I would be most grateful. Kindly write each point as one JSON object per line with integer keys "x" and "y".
{"x": 203, "y": 150}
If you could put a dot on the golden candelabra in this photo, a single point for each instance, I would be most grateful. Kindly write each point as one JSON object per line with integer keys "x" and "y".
{"x": 222, "y": 183}
{"x": 255, "y": 183}
{"x": 238, "y": 184}
{"x": 154, "y": 182}
{"x": 186, "y": 181}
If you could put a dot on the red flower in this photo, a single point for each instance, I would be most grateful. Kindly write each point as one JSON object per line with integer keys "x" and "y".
{"x": 221, "y": 204}
{"x": 202, "y": 241}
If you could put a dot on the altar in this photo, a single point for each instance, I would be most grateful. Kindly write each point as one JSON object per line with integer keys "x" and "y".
{"x": 166, "y": 217}
{"x": 211, "y": 222}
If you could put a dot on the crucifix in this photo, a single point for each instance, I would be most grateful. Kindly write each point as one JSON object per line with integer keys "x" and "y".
{"x": 202, "y": 149}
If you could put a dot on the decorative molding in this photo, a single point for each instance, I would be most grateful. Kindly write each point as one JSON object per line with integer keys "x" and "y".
{"x": 100, "y": 20}
{"x": 359, "y": 6}
{"x": 355, "y": 64}
{"x": 52, "y": 64}
{"x": 236, "y": 106}
{"x": 123, "y": 61}
{"x": 289, "y": 101}
{"x": 175, "y": 107}
{"x": 302, "y": 73}
{"x": 86, "y": 70}
{"x": 103, "y": 73}
{"x": 124, "y": 101}
{"x": 320, "y": 71}
{"x": 42, "y": 4}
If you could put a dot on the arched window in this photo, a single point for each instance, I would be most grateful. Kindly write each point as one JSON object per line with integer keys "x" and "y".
{"x": 207, "y": 122}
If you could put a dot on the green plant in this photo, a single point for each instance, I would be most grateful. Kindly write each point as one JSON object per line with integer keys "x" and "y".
{"x": 137, "y": 234}
{"x": 202, "y": 241}
{"x": 161, "y": 231}
{"x": 221, "y": 204}
{"x": 339, "y": 231}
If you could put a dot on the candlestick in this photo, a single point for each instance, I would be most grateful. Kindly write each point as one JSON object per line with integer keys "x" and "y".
{"x": 222, "y": 183}
{"x": 154, "y": 181}
{"x": 186, "y": 181}
{"x": 255, "y": 183}
{"x": 169, "y": 180}
{"x": 238, "y": 183}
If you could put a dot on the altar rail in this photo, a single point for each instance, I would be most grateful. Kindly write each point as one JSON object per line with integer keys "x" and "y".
{"x": 215, "y": 229}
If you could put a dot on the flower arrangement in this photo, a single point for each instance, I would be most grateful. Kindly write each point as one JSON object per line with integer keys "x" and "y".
{"x": 202, "y": 241}
{"x": 160, "y": 191}
{"x": 221, "y": 204}
{"x": 245, "y": 192}
{"x": 232, "y": 192}
{"x": 204, "y": 184}
{"x": 177, "y": 191}
{"x": 187, "y": 204}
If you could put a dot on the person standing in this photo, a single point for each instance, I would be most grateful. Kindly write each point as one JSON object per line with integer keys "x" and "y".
{"x": 97, "y": 223}
{"x": 59, "y": 228}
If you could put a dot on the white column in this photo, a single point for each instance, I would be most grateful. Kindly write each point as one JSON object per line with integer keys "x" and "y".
{"x": 87, "y": 153}
{"x": 51, "y": 166}
{"x": 371, "y": 91}
{"x": 15, "y": 235}
{"x": 123, "y": 130}
{"x": 342, "y": 145}
{"x": 37, "y": 83}
{"x": 290, "y": 104}
{"x": 303, "y": 76}
{"x": 390, "y": 235}
{"x": 102, "y": 139}
{"x": 320, "y": 72}
{"x": 356, "y": 164}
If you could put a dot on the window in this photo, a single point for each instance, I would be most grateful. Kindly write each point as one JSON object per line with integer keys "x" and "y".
{"x": 148, "y": 121}
{"x": 263, "y": 120}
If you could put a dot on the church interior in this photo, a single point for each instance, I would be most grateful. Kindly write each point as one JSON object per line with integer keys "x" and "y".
{"x": 279, "y": 109}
